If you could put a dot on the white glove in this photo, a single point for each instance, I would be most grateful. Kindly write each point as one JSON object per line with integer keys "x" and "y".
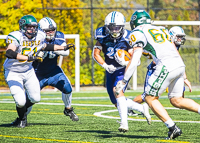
{"x": 121, "y": 60}
{"x": 109, "y": 68}
{"x": 40, "y": 54}
{"x": 120, "y": 85}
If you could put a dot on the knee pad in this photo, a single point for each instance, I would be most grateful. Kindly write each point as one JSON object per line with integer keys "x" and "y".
{"x": 20, "y": 103}
{"x": 35, "y": 99}
{"x": 67, "y": 89}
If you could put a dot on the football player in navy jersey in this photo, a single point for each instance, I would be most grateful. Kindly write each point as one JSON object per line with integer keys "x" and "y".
{"x": 48, "y": 72}
{"x": 110, "y": 38}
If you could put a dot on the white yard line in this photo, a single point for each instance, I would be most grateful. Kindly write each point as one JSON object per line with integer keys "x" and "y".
{"x": 99, "y": 114}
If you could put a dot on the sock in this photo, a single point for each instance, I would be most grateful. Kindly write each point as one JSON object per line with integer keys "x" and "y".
{"x": 132, "y": 105}
{"x": 67, "y": 99}
{"x": 21, "y": 112}
{"x": 169, "y": 123}
{"x": 122, "y": 109}
{"x": 28, "y": 105}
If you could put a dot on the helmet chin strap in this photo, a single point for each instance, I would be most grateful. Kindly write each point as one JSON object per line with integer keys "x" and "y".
{"x": 115, "y": 35}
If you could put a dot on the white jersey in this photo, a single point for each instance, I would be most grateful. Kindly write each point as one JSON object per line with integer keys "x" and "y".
{"x": 156, "y": 41}
{"x": 24, "y": 46}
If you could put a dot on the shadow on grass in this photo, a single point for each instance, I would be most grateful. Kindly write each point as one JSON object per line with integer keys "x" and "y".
{"x": 32, "y": 124}
{"x": 111, "y": 134}
{"x": 6, "y": 125}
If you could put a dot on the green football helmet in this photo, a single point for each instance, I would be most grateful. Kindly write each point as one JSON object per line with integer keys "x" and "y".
{"x": 139, "y": 17}
{"x": 28, "y": 25}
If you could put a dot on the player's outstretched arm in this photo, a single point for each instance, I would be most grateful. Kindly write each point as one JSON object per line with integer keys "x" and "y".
{"x": 52, "y": 47}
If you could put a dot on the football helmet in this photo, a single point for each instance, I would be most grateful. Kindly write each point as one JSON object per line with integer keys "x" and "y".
{"x": 177, "y": 35}
{"x": 114, "y": 24}
{"x": 48, "y": 25}
{"x": 139, "y": 17}
{"x": 28, "y": 25}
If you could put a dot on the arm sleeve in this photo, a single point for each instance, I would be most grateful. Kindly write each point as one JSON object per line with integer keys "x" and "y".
{"x": 133, "y": 65}
{"x": 62, "y": 53}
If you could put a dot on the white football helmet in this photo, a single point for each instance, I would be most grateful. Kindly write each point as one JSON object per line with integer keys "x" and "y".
{"x": 49, "y": 27}
{"x": 115, "y": 23}
{"x": 177, "y": 35}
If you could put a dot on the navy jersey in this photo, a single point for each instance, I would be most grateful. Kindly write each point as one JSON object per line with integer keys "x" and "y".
{"x": 110, "y": 45}
{"x": 50, "y": 58}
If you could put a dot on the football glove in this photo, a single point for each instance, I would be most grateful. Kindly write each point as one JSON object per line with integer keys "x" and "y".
{"x": 109, "y": 68}
{"x": 40, "y": 54}
{"x": 69, "y": 46}
{"x": 121, "y": 59}
{"x": 35, "y": 58}
{"x": 120, "y": 86}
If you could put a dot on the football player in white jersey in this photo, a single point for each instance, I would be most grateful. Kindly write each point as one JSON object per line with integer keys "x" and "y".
{"x": 23, "y": 48}
{"x": 177, "y": 36}
{"x": 169, "y": 71}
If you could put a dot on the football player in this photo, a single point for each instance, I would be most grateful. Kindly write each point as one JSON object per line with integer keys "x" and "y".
{"x": 177, "y": 36}
{"x": 48, "y": 72}
{"x": 111, "y": 37}
{"x": 23, "y": 48}
{"x": 169, "y": 70}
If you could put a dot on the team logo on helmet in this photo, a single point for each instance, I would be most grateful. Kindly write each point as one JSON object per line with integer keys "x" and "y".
{"x": 134, "y": 17}
{"x": 22, "y": 21}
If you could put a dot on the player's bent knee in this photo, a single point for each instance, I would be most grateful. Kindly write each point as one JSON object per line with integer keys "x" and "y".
{"x": 21, "y": 103}
{"x": 35, "y": 99}
{"x": 176, "y": 101}
{"x": 67, "y": 89}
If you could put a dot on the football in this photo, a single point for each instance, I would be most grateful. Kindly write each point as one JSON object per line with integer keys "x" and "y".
{"x": 127, "y": 56}
{"x": 122, "y": 57}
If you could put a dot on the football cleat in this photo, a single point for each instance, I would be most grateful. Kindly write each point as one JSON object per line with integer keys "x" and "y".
{"x": 146, "y": 113}
{"x": 131, "y": 113}
{"x": 174, "y": 132}
{"x": 123, "y": 128}
{"x": 22, "y": 123}
{"x": 71, "y": 114}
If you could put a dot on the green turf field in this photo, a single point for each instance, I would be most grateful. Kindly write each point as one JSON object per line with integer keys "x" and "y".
{"x": 47, "y": 123}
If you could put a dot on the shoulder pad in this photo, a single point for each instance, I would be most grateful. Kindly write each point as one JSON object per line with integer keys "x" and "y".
{"x": 126, "y": 33}
{"x": 59, "y": 34}
{"x": 14, "y": 36}
{"x": 100, "y": 33}
{"x": 136, "y": 37}
{"x": 60, "y": 39}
